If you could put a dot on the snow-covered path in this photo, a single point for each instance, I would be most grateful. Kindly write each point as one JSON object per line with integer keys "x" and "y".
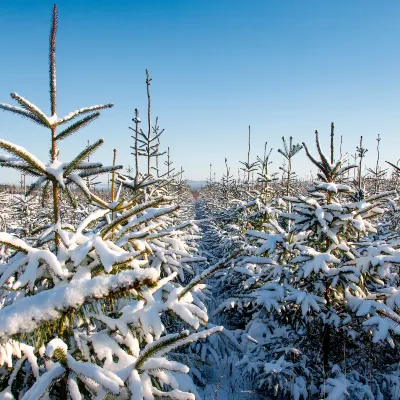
{"x": 224, "y": 380}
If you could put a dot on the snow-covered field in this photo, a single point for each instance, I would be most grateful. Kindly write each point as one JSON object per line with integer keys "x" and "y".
{"x": 261, "y": 287}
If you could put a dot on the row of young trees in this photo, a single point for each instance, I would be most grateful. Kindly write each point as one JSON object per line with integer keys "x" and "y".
{"x": 259, "y": 171}
{"x": 312, "y": 300}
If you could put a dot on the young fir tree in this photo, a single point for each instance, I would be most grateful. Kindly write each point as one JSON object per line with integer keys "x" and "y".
{"x": 82, "y": 306}
{"x": 331, "y": 269}
{"x": 289, "y": 151}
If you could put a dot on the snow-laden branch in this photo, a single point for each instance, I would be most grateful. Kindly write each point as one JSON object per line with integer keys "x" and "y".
{"x": 208, "y": 272}
{"x": 29, "y": 313}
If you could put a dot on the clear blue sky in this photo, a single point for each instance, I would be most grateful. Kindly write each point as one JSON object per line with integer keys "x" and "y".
{"x": 283, "y": 67}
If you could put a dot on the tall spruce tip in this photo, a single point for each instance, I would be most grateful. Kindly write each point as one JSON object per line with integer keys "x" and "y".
{"x": 332, "y": 142}
{"x": 52, "y": 60}
{"x": 316, "y": 137}
{"x": 148, "y": 79}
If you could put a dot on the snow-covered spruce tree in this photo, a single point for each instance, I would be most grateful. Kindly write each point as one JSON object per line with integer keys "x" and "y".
{"x": 81, "y": 307}
{"x": 147, "y": 144}
{"x": 323, "y": 296}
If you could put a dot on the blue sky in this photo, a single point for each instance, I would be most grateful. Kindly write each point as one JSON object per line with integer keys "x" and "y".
{"x": 283, "y": 67}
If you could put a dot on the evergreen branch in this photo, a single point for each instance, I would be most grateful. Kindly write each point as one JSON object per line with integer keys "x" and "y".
{"x": 24, "y": 155}
{"x": 155, "y": 347}
{"x": 157, "y": 213}
{"x": 312, "y": 159}
{"x": 208, "y": 272}
{"x": 169, "y": 230}
{"x": 347, "y": 168}
{"x": 82, "y": 111}
{"x": 194, "y": 337}
{"x": 76, "y": 126}
{"x": 89, "y": 166}
{"x": 13, "y": 242}
{"x": 322, "y": 177}
{"x": 285, "y": 147}
{"x": 23, "y": 113}
{"x": 70, "y": 197}
{"x": 170, "y": 342}
{"x": 10, "y": 159}
{"x": 156, "y": 136}
{"x": 36, "y": 185}
{"x": 168, "y": 173}
{"x": 381, "y": 195}
{"x": 143, "y": 135}
{"x": 324, "y": 160}
{"x": 53, "y": 303}
{"x": 120, "y": 206}
{"x": 99, "y": 171}
{"x": 83, "y": 155}
{"x": 365, "y": 210}
{"x": 144, "y": 183}
{"x": 283, "y": 153}
{"x": 31, "y": 108}
{"x": 391, "y": 317}
{"x": 26, "y": 169}
{"x": 133, "y": 211}
{"x": 40, "y": 229}
{"x": 159, "y": 154}
{"x": 394, "y": 166}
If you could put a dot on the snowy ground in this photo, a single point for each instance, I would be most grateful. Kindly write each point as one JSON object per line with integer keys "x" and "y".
{"x": 226, "y": 384}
